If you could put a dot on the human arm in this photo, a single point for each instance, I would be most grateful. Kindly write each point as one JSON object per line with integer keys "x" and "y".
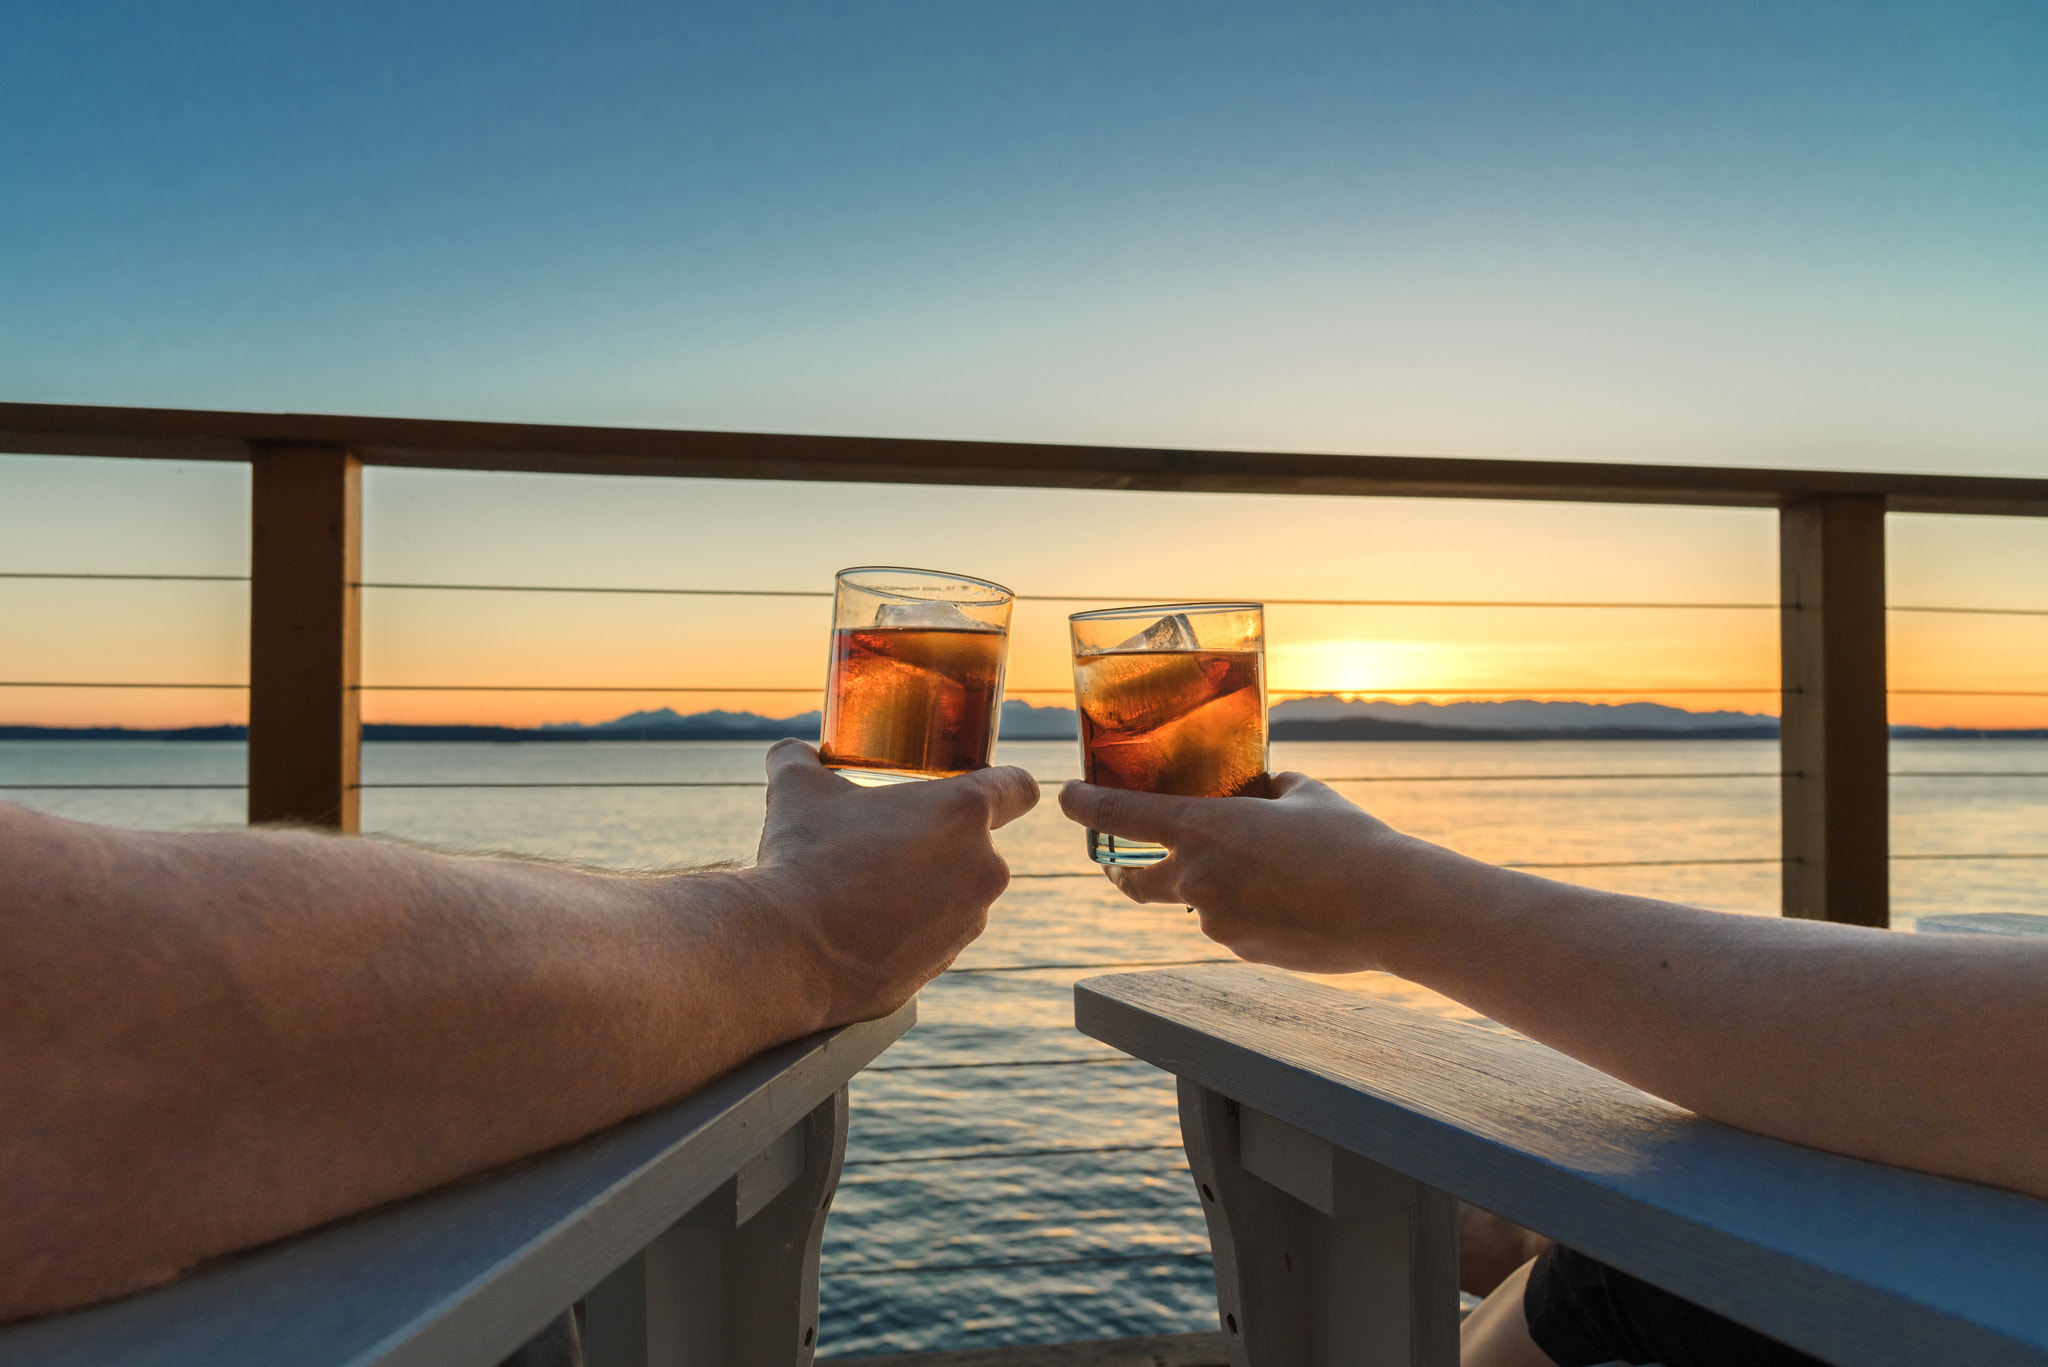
{"x": 213, "y": 1040}
{"x": 1927, "y": 1053}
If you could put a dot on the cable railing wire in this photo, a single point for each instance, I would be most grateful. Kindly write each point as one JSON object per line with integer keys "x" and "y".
{"x": 762, "y": 783}
{"x": 1544, "y": 864}
{"x": 1553, "y": 778}
{"x": 1132, "y": 963}
{"x": 623, "y": 783}
{"x": 131, "y": 578}
{"x": 1602, "y": 690}
{"x": 1973, "y": 612}
{"x": 1044, "y": 782}
{"x": 123, "y": 787}
{"x": 1061, "y": 689}
{"x": 815, "y": 690}
{"x": 978, "y": 1155}
{"x": 1539, "y": 777}
{"x": 908, "y": 1269}
{"x": 103, "y": 683}
{"x": 1001, "y": 1063}
{"x": 1163, "y": 600}
{"x": 1966, "y": 692}
{"x": 1609, "y": 864}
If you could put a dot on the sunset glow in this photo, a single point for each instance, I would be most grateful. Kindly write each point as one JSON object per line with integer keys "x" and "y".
{"x": 424, "y": 527}
{"x": 1751, "y": 235}
{"x": 1358, "y": 668}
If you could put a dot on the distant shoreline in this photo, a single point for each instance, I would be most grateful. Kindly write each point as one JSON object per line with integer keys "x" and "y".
{"x": 1346, "y": 729}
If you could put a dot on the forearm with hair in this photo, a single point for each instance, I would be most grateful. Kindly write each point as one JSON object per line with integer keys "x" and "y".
{"x": 1928, "y": 1053}
{"x": 220, "y": 1039}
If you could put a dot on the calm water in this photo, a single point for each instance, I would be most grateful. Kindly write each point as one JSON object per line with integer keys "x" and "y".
{"x": 939, "y": 1183}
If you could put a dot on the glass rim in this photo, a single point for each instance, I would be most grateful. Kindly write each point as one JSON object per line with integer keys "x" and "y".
{"x": 1002, "y": 594}
{"x": 1150, "y": 609}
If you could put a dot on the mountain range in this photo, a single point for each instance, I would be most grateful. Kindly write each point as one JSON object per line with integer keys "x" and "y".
{"x": 1326, "y": 717}
{"x": 1295, "y": 719}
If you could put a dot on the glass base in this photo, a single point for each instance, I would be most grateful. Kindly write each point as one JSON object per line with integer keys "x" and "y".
{"x": 876, "y": 778}
{"x": 1114, "y": 849}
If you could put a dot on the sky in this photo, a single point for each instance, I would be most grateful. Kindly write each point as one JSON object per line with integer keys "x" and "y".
{"x": 1789, "y": 234}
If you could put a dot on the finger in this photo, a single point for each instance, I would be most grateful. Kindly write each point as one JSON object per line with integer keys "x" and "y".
{"x": 1011, "y": 792}
{"x": 1135, "y": 816}
{"x": 1148, "y": 882}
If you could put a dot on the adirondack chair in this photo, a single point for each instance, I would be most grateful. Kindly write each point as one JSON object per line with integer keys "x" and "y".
{"x": 1329, "y": 1135}
{"x": 689, "y": 1235}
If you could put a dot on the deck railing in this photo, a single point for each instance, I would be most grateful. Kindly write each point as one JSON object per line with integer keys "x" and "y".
{"x": 306, "y": 585}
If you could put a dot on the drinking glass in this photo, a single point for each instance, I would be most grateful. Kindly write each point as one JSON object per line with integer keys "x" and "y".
{"x": 1172, "y": 699}
{"x": 915, "y": 684}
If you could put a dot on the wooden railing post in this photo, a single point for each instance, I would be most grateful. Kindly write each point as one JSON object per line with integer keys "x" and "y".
{"x": 1834, "y": 733}
{"x": 305, "y": 726}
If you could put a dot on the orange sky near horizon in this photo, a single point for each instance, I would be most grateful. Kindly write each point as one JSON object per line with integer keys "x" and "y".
{"x": 450, "y": 527}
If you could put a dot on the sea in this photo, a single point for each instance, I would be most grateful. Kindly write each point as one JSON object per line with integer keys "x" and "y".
{"x": 1009, "y": 1181}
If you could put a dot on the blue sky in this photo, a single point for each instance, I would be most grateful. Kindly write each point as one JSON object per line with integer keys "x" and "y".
{"x": 1792, "y": 233}
{"x": 1804, "y": 234}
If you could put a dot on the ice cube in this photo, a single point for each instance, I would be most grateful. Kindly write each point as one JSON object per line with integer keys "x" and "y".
{"x": 1172, "y": 632}
{"x": 1136, "y": 689}
{"x": 928, "y": 615}
{"x": 1215, "y": 750}
{"x": 896, "y": 715}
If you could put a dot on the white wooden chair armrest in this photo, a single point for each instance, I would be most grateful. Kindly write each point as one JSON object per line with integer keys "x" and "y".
{"x": 1340, "y": 1099}
{"x": 726, "y": 1192}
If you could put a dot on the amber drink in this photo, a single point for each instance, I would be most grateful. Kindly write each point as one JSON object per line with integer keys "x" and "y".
{"x": 915, "y": 683}
{"x": 1171, "y": 700}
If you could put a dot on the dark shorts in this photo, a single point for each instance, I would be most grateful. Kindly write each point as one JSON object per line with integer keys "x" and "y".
{"x": 1582, "y": 1313}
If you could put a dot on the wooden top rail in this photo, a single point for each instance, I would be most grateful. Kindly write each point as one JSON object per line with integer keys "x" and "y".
{"x": 462, "y": 1276}
{"x": 1854, "y": 1262}
{"x": 192, "y": 434}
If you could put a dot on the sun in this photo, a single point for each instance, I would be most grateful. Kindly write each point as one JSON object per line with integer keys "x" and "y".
{"x": 1355, "y": 665}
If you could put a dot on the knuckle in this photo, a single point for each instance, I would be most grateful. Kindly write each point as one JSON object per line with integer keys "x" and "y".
{"x": 965, "y": 803}
{"x": 992, "y": 878}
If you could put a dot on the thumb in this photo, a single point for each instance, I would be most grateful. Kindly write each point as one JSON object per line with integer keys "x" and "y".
{"x": 1010, "y": 791}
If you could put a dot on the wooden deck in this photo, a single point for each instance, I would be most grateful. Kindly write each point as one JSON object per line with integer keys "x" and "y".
{"x": 1165, "y": 1350}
